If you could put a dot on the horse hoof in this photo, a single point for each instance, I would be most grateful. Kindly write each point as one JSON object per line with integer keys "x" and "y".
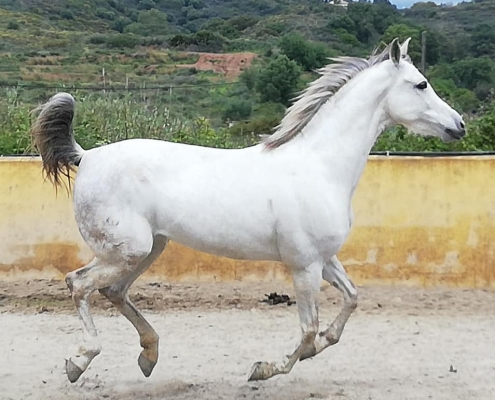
{"x": 73, "y": 371}
{"x": 146, "y": 365}
{"x": 260, "y": 371}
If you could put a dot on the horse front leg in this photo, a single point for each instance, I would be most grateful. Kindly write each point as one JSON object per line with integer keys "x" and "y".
{"x": 334, "y": 273}
{"x": 307, "y": 287}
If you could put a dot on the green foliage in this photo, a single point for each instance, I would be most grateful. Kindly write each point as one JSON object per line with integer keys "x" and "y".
{"x": 66, "y": 43}
{"x": 97, "y": 38}
{"x": 254, "y": 129}
{"x": 237, "y": 110}
{"x": 278, "y": 81}
{"x": 15, "y": 122}
{"x": 474, "y": 74}
{"x": 196, "y": 4}
{"x": 66, "y": 14}
{"x": 470, "y": 72}
{"x": 369, "y": 21}
{"x": 123, "y": 41}
{"x": 201, "y": 41}
{"x": 307, "y": 54}
{"x": 231, "y": 28}
{"x": 120, "y": 23}
{"x": 150, "y": 22}
{"x": 482, "y": 132}
{"x": 105, "y": 14}
{"x": 13, "y": 25}
{"x": 483, "y": 39}
{"x": 146, "y": 5}
{"x": 249, "y": 77}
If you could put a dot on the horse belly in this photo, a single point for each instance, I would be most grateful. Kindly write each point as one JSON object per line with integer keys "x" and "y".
{"x": 240, "y": 234}
{"x": 240, "y": 246}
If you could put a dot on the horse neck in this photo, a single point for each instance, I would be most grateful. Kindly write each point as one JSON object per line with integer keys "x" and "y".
{"x": 344, "y": 130}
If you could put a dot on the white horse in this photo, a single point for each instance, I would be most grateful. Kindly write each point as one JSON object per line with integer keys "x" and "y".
{"x": 287, "y": 199}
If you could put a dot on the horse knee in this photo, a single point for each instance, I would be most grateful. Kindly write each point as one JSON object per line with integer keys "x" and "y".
{"x": 73, "y": 282}
{"x": 79, "y": 283}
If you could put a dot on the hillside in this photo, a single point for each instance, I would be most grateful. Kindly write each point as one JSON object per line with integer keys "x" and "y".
{"x": 72, "y": 40}
{"x": 187, "y": 57}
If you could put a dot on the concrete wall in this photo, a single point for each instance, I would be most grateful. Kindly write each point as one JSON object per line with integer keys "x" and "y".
{"x": 421, "y": 221}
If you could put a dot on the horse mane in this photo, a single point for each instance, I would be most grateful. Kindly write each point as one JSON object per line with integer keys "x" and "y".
{"x": 318, "y": 92}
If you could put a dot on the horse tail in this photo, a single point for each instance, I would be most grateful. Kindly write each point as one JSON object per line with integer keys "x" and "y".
{"x": 53, "y": 137}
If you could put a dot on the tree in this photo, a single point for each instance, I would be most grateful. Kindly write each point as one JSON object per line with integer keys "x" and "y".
{"x": 197, "y": 4}
{"x": 243, "y": 22}
{"x": 471, "y": 72}
{"x": 464, "y": 100}
{"x": 237, "y": 109}
{"x": 483, "y": 39}
{"x": 309, "y": 55}
{"x": 154, "y": 21}
{"x": 341, "y": 21}
{"x": 120, "y": 23}
{"x": 249, "y": 77}
{"x": 371, "y": 20}
{"x": 361, "y": 14}
{"x": 278, "y": 81}
{"x": 146, "y": 5}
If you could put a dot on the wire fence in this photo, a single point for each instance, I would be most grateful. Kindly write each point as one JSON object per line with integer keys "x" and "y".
{"x": 112, "y": 87}
{"x": 185, "y": 100}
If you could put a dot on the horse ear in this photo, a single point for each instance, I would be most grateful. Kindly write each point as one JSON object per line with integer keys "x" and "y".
{"x": 394, "y": 51}
{"x": 404, "y": 47}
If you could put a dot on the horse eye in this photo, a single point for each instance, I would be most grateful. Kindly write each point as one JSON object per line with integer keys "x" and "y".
{"x": 422, "y": 86}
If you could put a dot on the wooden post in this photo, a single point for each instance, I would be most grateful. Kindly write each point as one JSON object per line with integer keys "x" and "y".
{"x": 423, "y": 52}
{"x": 103, "y": 75}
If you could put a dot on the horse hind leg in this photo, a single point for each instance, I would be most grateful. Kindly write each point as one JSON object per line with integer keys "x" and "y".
{"x": 117, "y": 294}
{"x": 116, "y": 262}
{"x": 81, "y": 284}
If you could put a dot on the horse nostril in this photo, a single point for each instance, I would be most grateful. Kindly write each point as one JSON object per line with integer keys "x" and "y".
{"x": 462, "y": 125}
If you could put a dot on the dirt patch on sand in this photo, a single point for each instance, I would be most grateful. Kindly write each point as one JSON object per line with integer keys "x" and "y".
{"x": 32, "y": 295}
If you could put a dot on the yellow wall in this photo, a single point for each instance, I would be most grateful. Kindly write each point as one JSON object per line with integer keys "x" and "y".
{"x": 422, "y": 221}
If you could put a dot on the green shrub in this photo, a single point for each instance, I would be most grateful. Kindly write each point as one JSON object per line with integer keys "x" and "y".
{"x": 13, "y": 25}
{"x": 122, "y": 41}
{"x": 237, "y": 110}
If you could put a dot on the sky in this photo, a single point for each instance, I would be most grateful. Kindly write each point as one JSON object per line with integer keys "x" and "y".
{"x": 409, "y": 3}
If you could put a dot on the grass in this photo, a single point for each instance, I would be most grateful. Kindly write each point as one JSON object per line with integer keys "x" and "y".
{"x": 105, "y": 118}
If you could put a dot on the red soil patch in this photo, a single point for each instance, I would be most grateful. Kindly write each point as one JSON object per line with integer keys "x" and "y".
{"x": 230, "y": 64}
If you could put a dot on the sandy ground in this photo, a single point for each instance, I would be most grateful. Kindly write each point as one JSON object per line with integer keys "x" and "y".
{"x": 401, "y": 344}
